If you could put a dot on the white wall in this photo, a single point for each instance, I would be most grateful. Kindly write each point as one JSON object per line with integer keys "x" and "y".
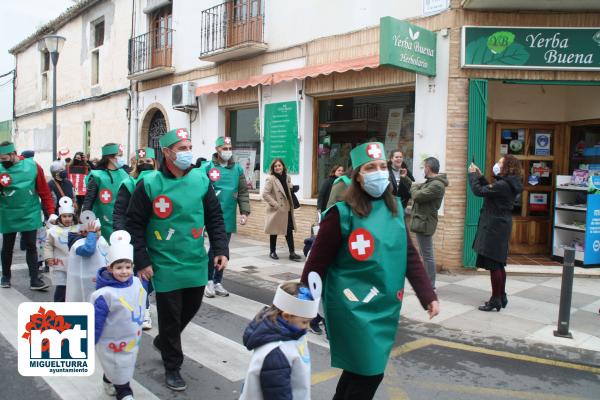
{"x": 543, "y": 102}
{"x": 6, "y": 100}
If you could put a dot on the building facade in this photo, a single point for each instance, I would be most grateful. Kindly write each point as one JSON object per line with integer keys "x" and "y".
{"x": 92, "y": 85}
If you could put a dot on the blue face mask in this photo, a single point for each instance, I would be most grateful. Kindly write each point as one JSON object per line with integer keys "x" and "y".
{"x": 120, "y": 162}
{"x": 376, "y": 182}
{"x": 184, "y": 160}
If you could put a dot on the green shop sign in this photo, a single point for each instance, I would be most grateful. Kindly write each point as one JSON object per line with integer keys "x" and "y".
{"x": 531, "y": 48}
{"x": 406, "y": 46}
{"x": 281, "y": 135}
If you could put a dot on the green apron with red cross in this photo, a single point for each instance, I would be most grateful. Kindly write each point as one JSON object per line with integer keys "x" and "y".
{"x": 108, "y": 186}
{"x": 130, "y": 182}
{"x": 20, "y": 207}
{"x": 174, "y": 235}
{"x": 364, "y": 288}
{"x": 226, "y": 181}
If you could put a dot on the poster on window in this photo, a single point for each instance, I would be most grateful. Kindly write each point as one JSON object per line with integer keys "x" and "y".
{"x": 246, "y": 159}
{"x": 542, "y": 144}
{"x": 538, "y": 201}
{"x": 394, "y": 128}
{"x": 281, "y": 135}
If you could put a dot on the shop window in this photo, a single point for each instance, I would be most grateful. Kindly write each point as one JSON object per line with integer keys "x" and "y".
{"x": 347, "y": 122}
{"x": 244, "y": 129}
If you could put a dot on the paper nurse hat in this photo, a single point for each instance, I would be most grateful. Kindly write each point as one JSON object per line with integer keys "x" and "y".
{"x": 110, "y": 149}
{"x": 120, "y": 247}
{"x": 174, "y": 136}
{"x": 7, "y": 149}
{"x": 305, "y": 308}
{"x": 222, "y": 141}
{"x": 146, "y": 152}
{"x": 65, "y": 206}
{"x": 366, "y": 152}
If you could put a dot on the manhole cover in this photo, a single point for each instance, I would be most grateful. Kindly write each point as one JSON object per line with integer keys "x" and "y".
{"x": 286, "y": 276}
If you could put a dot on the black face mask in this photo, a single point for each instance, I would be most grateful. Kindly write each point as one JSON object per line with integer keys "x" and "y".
{"x": 63, "y": 174}
{"x": 145, "y": 167}
{"x": 7, "y": 164}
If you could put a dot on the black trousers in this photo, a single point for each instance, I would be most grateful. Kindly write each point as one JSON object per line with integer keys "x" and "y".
{"x": 289, "y": 236}
{"x": 175, "y": 310}
{"x": 352, "y": 386}
{"x": 8, "y": 245}
{"x": 60, "y": 293}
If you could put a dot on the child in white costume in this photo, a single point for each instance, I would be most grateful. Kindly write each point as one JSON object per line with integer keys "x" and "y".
{"x": 88, "y": 252}
{"x": 56, "y": 249}
{"x": 280, "y": 364}
{"x": 119, "y": 304}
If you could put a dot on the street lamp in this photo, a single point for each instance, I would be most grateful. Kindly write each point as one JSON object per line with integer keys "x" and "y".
{"x": 54, "y": 44}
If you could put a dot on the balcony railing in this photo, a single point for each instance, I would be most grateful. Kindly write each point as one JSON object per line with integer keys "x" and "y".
{"x": 231, "y": 24}
{"x": 150, "y": 50}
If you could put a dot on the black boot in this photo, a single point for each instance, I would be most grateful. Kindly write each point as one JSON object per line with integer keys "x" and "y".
{"x": 174, "y": 380}
{"x": 274, "y": 256}
{"x": 504, "y": 300}
{"x": 294, "y": 256}
{"x": 490, "y": 305}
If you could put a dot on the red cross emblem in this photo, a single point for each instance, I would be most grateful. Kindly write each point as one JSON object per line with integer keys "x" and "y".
{"x": 227, "y": 140}
{"x": 5, "y": 179}
{"x": 121, "y": 148}
{"x": 163, "y": 206}
{"x": 361, "y": 244}
{"x": 182, "y": 133}
{"x": 214, "y": 174}
{"x": 374, "y": 151}
{"x": 106, "y": 196}
{"x": 400, "y": 295}
{"x": 141, "y": 153}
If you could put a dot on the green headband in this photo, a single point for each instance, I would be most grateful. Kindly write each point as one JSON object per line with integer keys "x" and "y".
{"x": 110, "y": 149}
{"x": 174, "y": 136}
{"x": 7, "y": 149}
{"x": 366, "y": 152}
{"x": 222, "y": 141}
{"x": 146, "y": 152}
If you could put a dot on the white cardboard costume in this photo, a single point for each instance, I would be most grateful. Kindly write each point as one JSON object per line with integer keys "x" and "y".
{"x": 57, "y": 240}
{"x": 81, "y": 271}
{"x": 118, "y": 344}
{"x": 296, "y": 351}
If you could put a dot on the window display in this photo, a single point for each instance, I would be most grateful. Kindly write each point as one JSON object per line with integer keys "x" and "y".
{"x": 244, "y": 130}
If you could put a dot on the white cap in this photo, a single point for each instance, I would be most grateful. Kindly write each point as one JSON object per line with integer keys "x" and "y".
{"x": 298, "y": 307}
{"x": 120, "y": 247}
{"x": 86, "y": 217}
{"x": 65, "y": 206}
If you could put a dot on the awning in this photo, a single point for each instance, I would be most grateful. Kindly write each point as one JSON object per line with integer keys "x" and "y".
{"x": 356, "y": 64}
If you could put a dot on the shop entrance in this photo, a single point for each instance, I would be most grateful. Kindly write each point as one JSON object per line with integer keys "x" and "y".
{"x": 548, "y": 127}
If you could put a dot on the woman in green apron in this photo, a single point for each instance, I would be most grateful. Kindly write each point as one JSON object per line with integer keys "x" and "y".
{"x": 103, "y": 184}
{"x": 363, "y": 254}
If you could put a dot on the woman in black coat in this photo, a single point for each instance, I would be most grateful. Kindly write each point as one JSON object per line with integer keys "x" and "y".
{"x": 325, "y": 190}
{"x": 495, "y": 223}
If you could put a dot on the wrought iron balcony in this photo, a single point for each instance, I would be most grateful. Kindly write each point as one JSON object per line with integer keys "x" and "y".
{"x": 150, "y": 54}
{"x": 231, "y": 30}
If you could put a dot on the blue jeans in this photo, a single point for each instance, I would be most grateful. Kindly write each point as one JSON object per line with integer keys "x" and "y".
{"x": 213, "y": 274}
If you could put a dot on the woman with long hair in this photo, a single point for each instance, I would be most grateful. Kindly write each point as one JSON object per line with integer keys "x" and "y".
{"x": 325, "y": 190}
{"x": 495, "y": 223}
{"x": 103, "y": 184}
{"x": 279, "y": 220}
{"x": 363, "y": 253}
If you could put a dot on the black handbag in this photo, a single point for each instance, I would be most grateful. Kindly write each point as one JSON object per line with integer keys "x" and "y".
{"x": 295, "y": 201}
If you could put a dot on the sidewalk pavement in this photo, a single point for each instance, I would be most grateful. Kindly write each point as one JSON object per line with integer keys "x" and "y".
{"x": 533, "y": 299}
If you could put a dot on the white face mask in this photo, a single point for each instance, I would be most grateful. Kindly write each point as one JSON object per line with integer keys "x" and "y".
{"x": 226, "y": 155}
{"x": 496, "y": 169}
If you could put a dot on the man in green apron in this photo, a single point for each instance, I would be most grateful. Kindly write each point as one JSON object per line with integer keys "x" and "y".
{"x": 22, "y": 185}
{"x": 362, "y": 251}
{"x": 167, "y": 216}
{"x": 103, "y": 185}
{"x": 228, "y": 180}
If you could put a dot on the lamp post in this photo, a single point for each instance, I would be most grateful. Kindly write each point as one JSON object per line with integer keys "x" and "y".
{"x": 54, "y": 44}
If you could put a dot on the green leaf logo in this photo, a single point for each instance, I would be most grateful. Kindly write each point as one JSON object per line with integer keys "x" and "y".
{"x": 499, "y": 41}
{"x": 478, "y": 53}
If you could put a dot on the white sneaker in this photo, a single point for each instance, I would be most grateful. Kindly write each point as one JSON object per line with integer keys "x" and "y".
{"x": 109, "y": 389}
{"x": 209, "y": 291}
{"x": 147, "y": 324}
{"x": 128, "y": 397}
{"x": 220, "y": 290}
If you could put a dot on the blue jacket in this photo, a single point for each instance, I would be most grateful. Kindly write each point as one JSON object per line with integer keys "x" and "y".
{"x": 89, "y": 247}
{"x": 101, "y": 309}
{"x": 275, "y": 375}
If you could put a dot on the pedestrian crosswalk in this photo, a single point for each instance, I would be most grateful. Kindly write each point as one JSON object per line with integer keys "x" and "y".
{"x": 221, "y": 355}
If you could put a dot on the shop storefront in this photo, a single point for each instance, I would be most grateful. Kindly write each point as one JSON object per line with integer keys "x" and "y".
{"x": 551, "y": 125}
